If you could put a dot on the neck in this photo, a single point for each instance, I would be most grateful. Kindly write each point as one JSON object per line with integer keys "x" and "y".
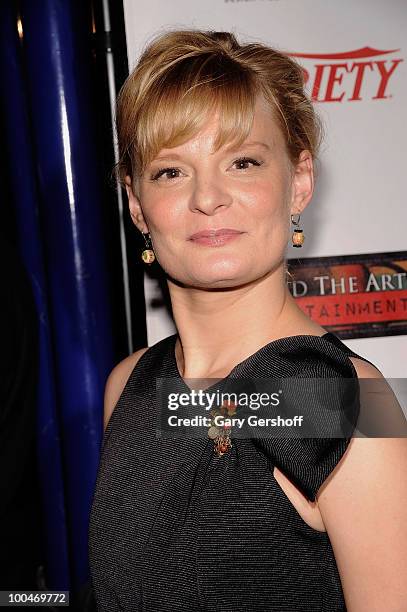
{"x": 219, "y": 328}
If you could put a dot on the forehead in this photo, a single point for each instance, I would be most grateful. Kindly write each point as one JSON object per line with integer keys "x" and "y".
{"x": 264, "y": 133}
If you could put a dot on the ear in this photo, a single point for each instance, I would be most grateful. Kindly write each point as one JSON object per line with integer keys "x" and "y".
{"x": 302, "y": 183}
{"x": 136, "y": 212}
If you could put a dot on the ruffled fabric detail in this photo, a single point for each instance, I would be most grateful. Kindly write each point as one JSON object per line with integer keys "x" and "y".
{"x": 307, "y": 462}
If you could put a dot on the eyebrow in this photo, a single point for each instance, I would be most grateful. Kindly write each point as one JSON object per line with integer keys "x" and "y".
{"x": 254, "y": 143}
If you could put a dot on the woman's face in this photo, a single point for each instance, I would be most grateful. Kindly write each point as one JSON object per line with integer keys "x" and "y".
{"x": 253, "y": 189}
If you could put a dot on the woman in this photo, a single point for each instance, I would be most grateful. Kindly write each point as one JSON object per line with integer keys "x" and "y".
{"x": 218, "y": 142}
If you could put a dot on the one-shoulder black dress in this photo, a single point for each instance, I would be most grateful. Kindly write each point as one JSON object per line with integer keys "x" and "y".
{"x": 176, "y": 528}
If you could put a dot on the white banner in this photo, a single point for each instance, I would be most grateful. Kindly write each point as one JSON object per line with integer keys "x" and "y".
{"x": 354, "y": 55}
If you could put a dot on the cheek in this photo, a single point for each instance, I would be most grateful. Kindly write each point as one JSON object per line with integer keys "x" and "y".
{"x": 268, "y": 204}
{"x": 163, "y": 215}
{"x": 167, "y": 223}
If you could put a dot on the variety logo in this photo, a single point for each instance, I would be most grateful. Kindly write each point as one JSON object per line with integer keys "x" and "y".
{"x": 349, "y": 76}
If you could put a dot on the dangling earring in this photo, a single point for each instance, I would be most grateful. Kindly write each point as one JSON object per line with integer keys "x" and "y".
{"x": 148, "y": 255}
{"x": 298, "y": 234}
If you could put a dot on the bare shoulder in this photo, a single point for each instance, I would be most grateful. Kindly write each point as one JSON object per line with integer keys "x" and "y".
{"x": 363, "y": 451}
{"x": 116, "y": 382}
{"x": 364, "y": 369}
{"x": 363, "y": 507}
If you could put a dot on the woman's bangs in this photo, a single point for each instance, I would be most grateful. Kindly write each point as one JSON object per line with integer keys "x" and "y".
{"x": 182, "y": 109}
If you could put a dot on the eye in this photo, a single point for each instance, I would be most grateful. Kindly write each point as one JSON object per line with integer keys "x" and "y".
{"x": 171, "y": 173}
{"x": 243, "y": 161}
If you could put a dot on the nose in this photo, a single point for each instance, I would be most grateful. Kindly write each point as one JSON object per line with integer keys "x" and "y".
{"x": 209, "y": 194}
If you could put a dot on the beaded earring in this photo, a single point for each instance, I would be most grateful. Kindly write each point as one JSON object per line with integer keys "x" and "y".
{"x": 297, "y": 237}
{"x": 148, "y": 255}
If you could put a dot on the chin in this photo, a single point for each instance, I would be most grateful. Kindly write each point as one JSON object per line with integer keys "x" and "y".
{"x": 222, "y": 276}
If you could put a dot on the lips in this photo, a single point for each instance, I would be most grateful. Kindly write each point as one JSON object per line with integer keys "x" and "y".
{"x": 224, "y": 231}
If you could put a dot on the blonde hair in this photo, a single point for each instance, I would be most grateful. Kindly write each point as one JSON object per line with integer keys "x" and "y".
{"x": 184, "y": 75}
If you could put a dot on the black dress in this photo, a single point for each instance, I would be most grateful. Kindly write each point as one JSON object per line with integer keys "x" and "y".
{"x": 175, "y": 528}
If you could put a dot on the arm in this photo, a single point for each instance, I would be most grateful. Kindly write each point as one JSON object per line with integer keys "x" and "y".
{"x": 363, "y": 505}
{"x": 116, "y": 382}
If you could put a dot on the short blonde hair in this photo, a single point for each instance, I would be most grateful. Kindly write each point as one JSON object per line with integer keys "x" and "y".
{"x": 184, "y": 75}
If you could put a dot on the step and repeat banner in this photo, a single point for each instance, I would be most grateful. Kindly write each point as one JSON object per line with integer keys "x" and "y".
{"x": 351, "y": 274}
